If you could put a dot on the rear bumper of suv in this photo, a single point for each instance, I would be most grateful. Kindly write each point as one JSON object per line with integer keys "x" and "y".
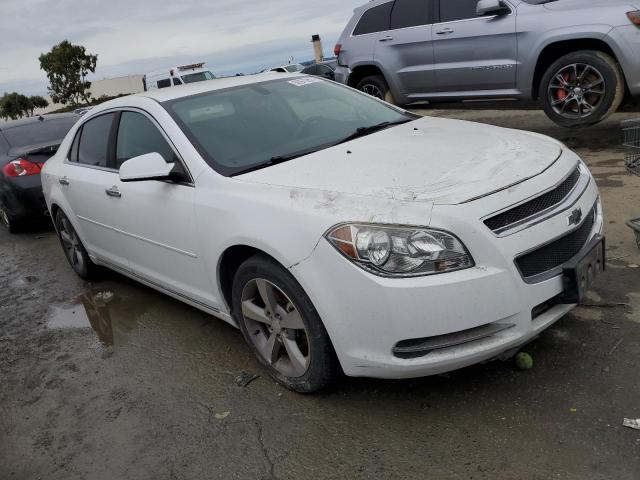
{"x": 342, "y": 74}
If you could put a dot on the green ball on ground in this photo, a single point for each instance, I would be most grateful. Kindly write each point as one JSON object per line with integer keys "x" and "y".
{"x": 524, "y": 361}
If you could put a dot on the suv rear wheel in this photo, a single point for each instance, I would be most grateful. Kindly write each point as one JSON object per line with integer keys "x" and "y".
{"x": 376, "y": 86}
{"x": 582, "y": 88}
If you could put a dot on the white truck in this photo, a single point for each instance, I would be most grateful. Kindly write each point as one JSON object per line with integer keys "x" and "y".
{"x": 175, "y": 76}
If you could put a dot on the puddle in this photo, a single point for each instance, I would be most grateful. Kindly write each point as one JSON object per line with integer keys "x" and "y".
{"x": 95, "y": 310}
{"x": 154, "y": 333}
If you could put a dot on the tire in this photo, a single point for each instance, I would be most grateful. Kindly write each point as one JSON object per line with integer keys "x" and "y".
{"x": 376, "y": 86}
{"x": 74, "y": 249}
{"x": 281, "y": 347}
{"x": 562, "y": 89}
{"x": 8, "y": 221}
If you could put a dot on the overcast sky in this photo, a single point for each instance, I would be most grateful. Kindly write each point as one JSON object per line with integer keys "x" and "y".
{"x": 135, "y": 36}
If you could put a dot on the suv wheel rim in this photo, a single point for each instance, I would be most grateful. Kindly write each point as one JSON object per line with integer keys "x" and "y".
{"x": 4, "y": 217}
{"x": 71, "y": 244}
{"x": 576, "y": 91}
{"x": 373, "y": 90}
{"x": 275, "y": 328}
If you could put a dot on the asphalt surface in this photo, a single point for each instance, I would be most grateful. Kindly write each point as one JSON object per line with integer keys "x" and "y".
{"x": 112, "y": 380}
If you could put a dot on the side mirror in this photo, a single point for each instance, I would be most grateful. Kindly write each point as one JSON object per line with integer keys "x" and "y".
{"x": 491, "y": 7}
{"x": 150, "y": 166}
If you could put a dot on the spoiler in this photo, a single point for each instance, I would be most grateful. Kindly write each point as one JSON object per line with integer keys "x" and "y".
{"x": 43, "y": 148}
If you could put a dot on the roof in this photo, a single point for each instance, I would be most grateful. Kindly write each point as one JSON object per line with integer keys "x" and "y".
{"x": 31, "y": 120}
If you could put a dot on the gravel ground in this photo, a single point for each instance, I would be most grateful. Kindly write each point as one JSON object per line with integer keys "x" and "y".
{"x": 112, "y": 380}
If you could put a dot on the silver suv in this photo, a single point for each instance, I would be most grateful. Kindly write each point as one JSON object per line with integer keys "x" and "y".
{"x": 579, "y": 57}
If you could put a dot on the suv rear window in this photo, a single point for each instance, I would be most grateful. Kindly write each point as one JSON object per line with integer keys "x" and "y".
{"x": 376, "y": 19}
{"x": 411, "y": 13}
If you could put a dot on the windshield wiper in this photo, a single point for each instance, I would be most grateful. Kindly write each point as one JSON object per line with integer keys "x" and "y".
{"x": 364, "y": 131}
{"x": 275, "y": 161}
{"x": 360, "y": 132}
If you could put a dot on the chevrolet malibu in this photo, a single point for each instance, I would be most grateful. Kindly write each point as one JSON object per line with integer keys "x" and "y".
{"x": 337, "y": 232}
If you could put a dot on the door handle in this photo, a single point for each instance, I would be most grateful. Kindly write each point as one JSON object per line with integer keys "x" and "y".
{"x": 64, "y": 181}
{"x": 113, "y": 192}
{"x": 445, "y": 31}
{"x": 388, "y": 38}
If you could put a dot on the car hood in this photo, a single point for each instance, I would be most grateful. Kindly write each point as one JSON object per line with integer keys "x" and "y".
{"x": 429, "y": 160}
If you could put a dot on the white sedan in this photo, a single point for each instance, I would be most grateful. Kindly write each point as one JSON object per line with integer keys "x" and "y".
{"x": 339, "y": 233}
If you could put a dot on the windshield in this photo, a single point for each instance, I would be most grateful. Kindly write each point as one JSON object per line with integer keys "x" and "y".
{"x": 197, "y": 77}
{"x": 293, "y": 68}
{"x": 240, "y": 128}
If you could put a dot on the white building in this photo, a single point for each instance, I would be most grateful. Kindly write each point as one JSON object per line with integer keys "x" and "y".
{"x": 110, "y": 87}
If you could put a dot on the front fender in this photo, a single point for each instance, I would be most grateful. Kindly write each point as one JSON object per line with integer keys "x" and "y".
{"x": 536, "y": 44}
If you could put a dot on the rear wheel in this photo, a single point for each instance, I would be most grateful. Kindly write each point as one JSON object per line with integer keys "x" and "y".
{"x": 73, "y": 249}
{"x": 582, "y": 89}
{"x": 376, "y": 86}
{"x": 282, "y": 327}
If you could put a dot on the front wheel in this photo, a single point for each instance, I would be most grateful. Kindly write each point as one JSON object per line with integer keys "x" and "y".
{"x": 582, "y": 89}
{"x": 376, "y": 86}
{"x": 282, "y": 327}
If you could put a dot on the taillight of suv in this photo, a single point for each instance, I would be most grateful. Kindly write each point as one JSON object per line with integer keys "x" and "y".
{"x": 22, "y": 168}
{"x": 634, "y": 17}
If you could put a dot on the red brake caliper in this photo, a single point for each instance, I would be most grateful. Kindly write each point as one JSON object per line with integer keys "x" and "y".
{"x": 562, "y": 94}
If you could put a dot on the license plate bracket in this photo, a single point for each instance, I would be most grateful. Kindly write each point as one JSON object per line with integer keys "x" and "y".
{"x": 579, "y": 274}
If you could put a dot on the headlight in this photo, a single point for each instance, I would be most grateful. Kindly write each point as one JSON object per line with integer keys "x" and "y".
{"x": 400, "y": 251}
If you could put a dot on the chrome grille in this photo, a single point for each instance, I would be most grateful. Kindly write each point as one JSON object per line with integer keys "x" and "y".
{"x": 535, "y": 206}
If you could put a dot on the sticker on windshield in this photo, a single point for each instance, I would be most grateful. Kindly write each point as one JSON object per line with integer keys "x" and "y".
{"x": 301, "y": 82}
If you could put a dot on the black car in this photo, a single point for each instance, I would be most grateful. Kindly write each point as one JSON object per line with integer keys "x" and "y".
{"x": 25, "y": 145}
{"x": 324, "y": 70}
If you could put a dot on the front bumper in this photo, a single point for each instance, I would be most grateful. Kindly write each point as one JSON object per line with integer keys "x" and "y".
{"x": 367, "y": 316}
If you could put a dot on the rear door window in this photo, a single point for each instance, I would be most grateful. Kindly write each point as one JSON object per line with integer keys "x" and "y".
{"x": 411, "y": 13}
{"x": 376, "y": 19}
{"x": 137, "y": 135}
{"x": 94, "y": 141}
{"x": 452, "y": 10}
{"x": 73, "y": 153}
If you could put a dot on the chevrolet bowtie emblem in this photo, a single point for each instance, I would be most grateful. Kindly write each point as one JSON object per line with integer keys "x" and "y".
{"x": 575, "y": 218}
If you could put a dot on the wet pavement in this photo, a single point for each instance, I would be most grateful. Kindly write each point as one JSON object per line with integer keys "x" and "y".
{"x": 114, "y": 380}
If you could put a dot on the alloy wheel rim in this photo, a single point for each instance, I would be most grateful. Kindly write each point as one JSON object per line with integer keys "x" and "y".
{"x": 576, "y": 90}
{"x": 373, "y": 90}
{"x": 71, "y": 245}
{"x": 276, "y": 328}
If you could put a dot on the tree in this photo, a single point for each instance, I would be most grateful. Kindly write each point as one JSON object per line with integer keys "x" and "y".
{"x": 36, "y": 101}
{"x": 67, "y": 67}
{"x": 14, "y": 105}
